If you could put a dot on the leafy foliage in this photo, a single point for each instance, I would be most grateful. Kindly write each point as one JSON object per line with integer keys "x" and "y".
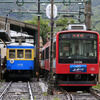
{"x": 44, "y": 28}
{"x": 45, "y": 94}
{"x": 97, "y": 86}
{"x": 56, "y": 98}
{"x": 61, "y": 23}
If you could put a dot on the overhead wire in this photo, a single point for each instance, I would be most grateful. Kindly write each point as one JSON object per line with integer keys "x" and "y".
{"x": 98, "y": 30}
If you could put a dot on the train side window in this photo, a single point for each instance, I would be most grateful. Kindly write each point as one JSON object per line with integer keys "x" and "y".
{"x": 47, "y": 53}
{"x": 20, "y": 54}
{"x": 54, "y": 49}
{"x": 11, "y": 54}
{"x": 43, "y": 54}
{"x": 28, "y": 54}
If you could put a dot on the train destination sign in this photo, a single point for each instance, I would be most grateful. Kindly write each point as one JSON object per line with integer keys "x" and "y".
{"x": 78, "y": 36}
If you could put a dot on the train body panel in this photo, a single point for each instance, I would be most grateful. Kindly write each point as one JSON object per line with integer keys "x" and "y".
{"x": 77, "y": 68}
{"x": 20, "y": 65}
{"x": 47, "y": 65}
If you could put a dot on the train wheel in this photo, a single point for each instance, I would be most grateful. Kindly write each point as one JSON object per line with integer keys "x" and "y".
{"x": 42, "y": 73}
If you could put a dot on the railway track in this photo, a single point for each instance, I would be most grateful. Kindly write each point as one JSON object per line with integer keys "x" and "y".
{"x": 95, "y": 92}
{"x": 67, "y": 94}
{"x": 84, "y": 96}
{"x": 79, "y": 95}
{"x": 17, "y": 91}
{"x": 5, "y": 90}
{"x": 33, "y": 91}
{"x": 92, "y": 95}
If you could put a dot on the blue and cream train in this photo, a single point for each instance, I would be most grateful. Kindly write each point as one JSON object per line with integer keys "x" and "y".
{"x": 20, "y": 60}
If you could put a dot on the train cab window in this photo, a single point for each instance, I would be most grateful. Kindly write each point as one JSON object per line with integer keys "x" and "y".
{"x": 64, "y": 50}
{"x": 11, "y": 54}
{"x": 20, "y": 54}
{"x": 28, "y": 54}
{"x": 90, "y": 49}
{"x": 84, "y": 50}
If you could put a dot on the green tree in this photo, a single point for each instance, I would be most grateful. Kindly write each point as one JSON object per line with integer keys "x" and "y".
{"x": 44, "y": 28}
{"x": 61, "y": 23}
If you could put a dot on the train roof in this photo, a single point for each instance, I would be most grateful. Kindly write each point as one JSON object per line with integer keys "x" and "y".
{"x": 76, "y": 27}
{"x": 23, "y": 45}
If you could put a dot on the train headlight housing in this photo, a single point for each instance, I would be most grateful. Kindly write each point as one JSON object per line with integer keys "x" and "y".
{"x": 92, "y": 74}
{"x": 77, "y": 76}
{"x": 11, "y": 61}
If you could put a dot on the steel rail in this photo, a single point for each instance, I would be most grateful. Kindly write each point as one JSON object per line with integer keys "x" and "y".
{"x": 92, "y": 91}
{"x": 30, "y": 91}
{"x": 68, "y": 96}
{"x": 5, "y": 90}
{"x": 72, "y": 98}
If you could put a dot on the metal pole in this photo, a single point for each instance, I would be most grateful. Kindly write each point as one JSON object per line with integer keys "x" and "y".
{"x": 7, "y": 19}
{"x": 88, "y": 15}
{"x": 38, "y": 67}
{"x": 51, "y": 82}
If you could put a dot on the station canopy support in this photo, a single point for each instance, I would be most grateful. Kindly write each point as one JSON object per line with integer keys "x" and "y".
{"x": 4, "y": 36}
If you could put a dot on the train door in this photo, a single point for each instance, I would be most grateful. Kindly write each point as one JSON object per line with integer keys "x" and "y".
{"x": 47, "y": 59}
{"x": 43, "y": 59}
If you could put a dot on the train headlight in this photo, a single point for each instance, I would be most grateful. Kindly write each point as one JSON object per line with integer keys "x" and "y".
{"x": 11, "y": 61}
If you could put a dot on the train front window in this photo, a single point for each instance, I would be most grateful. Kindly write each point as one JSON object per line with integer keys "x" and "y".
{"x": 28, "y": 54}
{"x": 20, "y": 54}
{"x": 11, "y": 54}
{"x": 83, "y": 50}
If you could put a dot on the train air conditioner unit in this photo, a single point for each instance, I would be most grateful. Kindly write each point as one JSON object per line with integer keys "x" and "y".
{"x": 76, "y": 27}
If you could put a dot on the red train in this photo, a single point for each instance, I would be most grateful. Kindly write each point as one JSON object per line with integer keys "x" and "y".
{"x": 76, "y": 57}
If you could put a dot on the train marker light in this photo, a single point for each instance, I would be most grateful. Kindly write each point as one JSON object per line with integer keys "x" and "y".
{"x": 92, "y": 74}
{"x": 92, "y": 69}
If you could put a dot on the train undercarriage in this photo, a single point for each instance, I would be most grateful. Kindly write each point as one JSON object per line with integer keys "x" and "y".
{"x": 18, "y": 74}
{"x": 79, "y": 81}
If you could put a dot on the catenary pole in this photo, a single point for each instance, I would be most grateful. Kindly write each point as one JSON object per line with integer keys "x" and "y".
{"x": 51, "y": 81}
{"x": 38, "y": 66}
{"x": 88, "y": 15}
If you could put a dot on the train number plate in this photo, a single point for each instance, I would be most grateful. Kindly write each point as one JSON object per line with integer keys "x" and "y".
{"x": 78, "y": 68}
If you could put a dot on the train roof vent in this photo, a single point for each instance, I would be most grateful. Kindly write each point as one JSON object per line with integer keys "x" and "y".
{"x": 76, "y": 27}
